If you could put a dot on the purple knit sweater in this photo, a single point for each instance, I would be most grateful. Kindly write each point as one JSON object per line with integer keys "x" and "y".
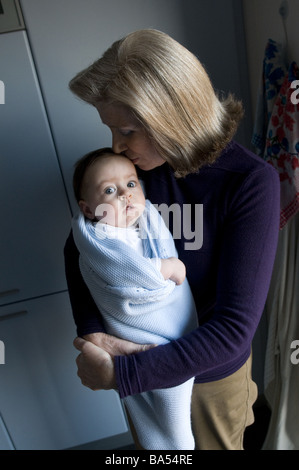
{"x": 229, "y": 274}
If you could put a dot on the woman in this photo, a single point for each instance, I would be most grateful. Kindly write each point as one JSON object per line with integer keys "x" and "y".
{"x": 164, "y": 115}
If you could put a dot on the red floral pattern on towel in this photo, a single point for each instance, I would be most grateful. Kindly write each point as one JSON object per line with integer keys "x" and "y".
{"x": 282, "y": 145}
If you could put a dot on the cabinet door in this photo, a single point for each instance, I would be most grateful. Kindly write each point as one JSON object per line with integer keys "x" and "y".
{"x": 35, "y": 215}
{"x": 5, "y": 441}
{"x": 42, "y": 401}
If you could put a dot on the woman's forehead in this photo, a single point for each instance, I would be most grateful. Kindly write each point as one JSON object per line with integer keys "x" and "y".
{"x": 115, "y": 115}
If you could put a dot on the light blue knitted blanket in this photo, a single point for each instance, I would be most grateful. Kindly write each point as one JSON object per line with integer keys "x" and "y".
{"x": 137, "y": 304}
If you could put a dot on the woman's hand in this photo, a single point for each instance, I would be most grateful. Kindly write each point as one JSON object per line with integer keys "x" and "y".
{"x": 116, "y": 346}
{"x": 95, "y": 366}
{"x": 96, "y": 359}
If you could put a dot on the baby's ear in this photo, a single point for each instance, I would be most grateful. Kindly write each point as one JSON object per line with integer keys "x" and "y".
{"x": 86, "y": 209}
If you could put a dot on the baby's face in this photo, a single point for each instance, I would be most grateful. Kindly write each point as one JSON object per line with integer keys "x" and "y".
{"x": 111, "y": 192}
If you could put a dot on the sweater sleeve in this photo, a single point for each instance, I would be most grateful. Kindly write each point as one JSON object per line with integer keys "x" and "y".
{"x": 222, "y": 344}
{"x": 85, "y": 312}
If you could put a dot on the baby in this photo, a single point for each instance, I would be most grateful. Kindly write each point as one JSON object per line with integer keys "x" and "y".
{"x": 129, "y": 263}
{"x": 110, "y": 193}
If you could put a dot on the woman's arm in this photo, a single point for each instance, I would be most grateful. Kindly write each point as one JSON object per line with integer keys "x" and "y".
{"x": 96, "y": 359}
{"x": 222, "y": 344}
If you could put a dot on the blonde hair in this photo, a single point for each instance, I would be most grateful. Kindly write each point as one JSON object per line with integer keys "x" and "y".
{"x": 169, "y": 92}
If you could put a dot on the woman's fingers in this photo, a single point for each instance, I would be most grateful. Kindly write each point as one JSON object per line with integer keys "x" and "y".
{"x": 95, "y": 366}
{"x": 116, "y": 346}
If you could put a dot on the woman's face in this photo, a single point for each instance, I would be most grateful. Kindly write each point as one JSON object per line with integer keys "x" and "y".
{"x": 129, "y": 137}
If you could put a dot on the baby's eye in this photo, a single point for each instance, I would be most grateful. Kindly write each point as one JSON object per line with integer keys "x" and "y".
{"x": 131, "y": 184}
{"x": 109, "y": 190}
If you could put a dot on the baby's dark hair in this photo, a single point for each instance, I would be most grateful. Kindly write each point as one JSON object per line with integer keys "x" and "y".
{"x": 82, "y": 165}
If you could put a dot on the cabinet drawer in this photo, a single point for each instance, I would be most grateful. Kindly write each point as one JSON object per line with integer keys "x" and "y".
{"x": 42, "y": 401}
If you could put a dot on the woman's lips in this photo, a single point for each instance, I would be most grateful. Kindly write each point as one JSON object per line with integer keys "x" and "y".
{"x": 134, "y": 160}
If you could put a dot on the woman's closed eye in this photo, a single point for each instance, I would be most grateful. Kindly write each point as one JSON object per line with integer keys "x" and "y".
{"x": 125, "y": 132}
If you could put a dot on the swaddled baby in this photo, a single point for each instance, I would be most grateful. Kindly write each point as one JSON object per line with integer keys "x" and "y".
{"x": 129, "y": 263}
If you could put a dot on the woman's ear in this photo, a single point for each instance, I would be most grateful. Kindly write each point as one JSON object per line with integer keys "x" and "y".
{"x": 86, "y": 209}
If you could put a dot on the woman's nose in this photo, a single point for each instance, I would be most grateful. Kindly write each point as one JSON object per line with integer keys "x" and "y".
{"x": 118, "y": 144}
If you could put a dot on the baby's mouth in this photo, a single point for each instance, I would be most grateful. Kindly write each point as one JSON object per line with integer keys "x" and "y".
{"x": 129, "y": 207}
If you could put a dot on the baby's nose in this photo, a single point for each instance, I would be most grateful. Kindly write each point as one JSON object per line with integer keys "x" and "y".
{"x": 125, "y": 197}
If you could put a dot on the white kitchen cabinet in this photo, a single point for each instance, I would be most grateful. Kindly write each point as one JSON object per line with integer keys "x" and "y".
{"x": 35, "y": 214}
{"x": 42, "y": 401}
{"x": 43, "y": 404}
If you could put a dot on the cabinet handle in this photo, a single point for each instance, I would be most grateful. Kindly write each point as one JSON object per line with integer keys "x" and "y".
{"x": 9, "y": 292}
{"x": 14, "y": 314}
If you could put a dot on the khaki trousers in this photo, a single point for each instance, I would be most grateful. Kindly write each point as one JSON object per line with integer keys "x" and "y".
{"x": 221, "y": 411}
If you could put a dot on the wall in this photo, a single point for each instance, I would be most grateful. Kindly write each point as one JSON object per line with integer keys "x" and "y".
{"x": 214, "y": 32}
{"x": 263, "y": 21}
